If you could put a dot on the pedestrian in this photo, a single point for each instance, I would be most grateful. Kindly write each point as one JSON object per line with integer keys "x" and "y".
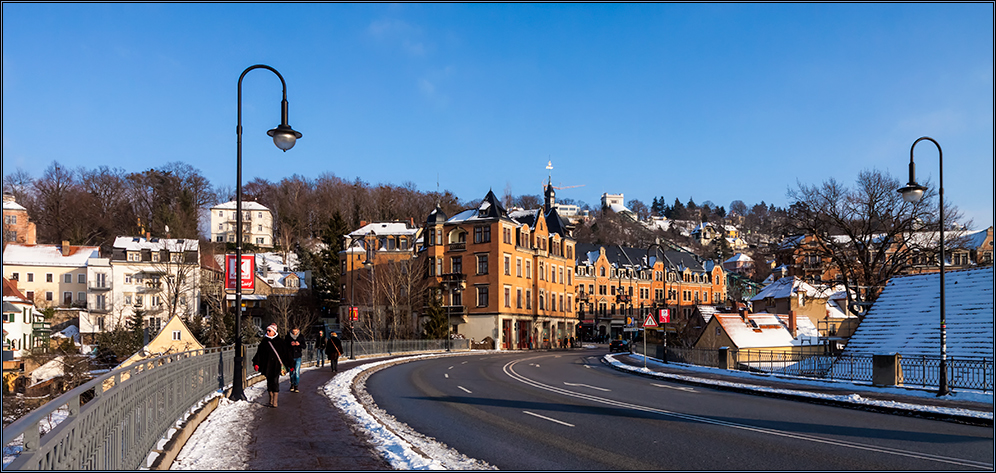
{"x": 295, "y": 348}
{"x": 334, "y": 350}
{"x": 320, "y": 348}
{"x": 269, "y": 361}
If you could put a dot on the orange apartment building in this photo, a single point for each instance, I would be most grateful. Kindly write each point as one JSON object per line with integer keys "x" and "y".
{"x": 504, "y": 275}
{"x": 17, "y": 226}
{"x": 619, "y": 286}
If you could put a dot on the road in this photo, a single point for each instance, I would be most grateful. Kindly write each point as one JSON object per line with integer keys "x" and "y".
{"x": 568, "y": 411}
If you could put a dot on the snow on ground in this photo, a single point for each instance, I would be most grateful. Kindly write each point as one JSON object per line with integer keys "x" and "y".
{"x": 10, "y": 452}
{"x": 218, "y": 443}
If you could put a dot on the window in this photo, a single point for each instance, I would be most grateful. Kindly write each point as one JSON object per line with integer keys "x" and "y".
{"x": 518, "y": 298}
{"x": 529, "y": 299}
{"x": 541, "y": 298}
{"x": 67, "y": 297}
{"x": 100, "y": 302}
{"x": 178, "y": 257}
{"x": 176, "y": 335}
{"x": 518, "y": 267}
{"x": 482, "y": 264}
{"x": 540, "y": 272}
{"x": 482, "y": 296}
{"x": 508, "y": 297}
{"x": 15, "y": 277}
{"x": 127, "y": 299}
{"x": 81, "y": 296}
{"x": 31, "y": 277}
{"x": 48, "y": 296}
{"x": 156, "y": 301}
{"x": 138, "y": 300}
{"x": 508, "y": 265}
{"x": 260, "y": 215}
{"x": 561, "y": 298}
{"x": 49, "y": 277}
{"x": 134, "y": 256}
{"x": 260, "y": 240}
{"x": 221, "y": 213}
{"x": 155, "y": 256}
{"x": 439, "y": 266}
{"x": 10, "y": 219}
{"x": 456, "y": 264}
{"x": 81, "y": 278}
{"x": 529, "y": 269}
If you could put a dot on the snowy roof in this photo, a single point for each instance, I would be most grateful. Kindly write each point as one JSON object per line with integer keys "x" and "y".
{"x": 905, "y": 319}
{"x": 384, "y": 228}
{"x": 246, "y": 205}
{"x": 738, "y": 257}
{"x": 155, "y": 244}
{"x": 275, "y": 261}
{"x": 707, "y": 312}
{"x": 48, "y": 255}
{"x": 12, "y": 206}
{"x": 789, "y": 287}
{"x": 770, "y": 332}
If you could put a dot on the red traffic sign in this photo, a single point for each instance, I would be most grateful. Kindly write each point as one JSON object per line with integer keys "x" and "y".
{"x": 665, "y": 316}
{"x": 650, "y": 321}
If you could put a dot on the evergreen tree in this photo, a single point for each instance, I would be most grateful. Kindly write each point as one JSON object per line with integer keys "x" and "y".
{"x": 436, "y": 325}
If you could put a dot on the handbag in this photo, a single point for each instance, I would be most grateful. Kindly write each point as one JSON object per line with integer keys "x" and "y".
{"x": 283, "y": 368}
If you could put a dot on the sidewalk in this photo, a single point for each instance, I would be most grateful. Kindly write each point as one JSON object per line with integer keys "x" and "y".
{"x": 891, "y": 400}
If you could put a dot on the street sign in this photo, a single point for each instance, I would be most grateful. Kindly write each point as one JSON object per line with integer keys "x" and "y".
{"x": 650, "y": 322}
{"x": 631, "y": 329}
{"x": 248, "y": 273}
{"x": 354, "y": 314}
{"x": 665, "y": 316}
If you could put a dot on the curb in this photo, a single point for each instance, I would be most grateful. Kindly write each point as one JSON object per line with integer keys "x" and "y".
{"x": 961, "y": 419}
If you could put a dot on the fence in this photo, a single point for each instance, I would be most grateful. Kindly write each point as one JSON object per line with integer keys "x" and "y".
{"x": 921, "y": 370}
{"x": 114, "y": 421}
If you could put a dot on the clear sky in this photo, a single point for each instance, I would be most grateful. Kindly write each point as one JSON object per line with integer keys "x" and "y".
{"x": 713, "y": 101}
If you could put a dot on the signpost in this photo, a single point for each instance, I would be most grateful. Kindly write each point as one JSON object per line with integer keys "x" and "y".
{"x": 649, "y": 323}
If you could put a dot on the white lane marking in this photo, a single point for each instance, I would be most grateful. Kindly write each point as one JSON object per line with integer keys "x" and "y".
{"x": 586, "y": 386}
{"x": 450, "y": 368}
{"x": 464, "y": 363}
{"x": 447, "y": 375}
{"x": 465, "y": 390}
{"x": 510, "y": 371}
{"x": 679, "y": 388}
{"x": 548, "y": 418}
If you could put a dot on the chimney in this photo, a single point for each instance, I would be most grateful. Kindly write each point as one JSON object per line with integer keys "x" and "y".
{"x": 65, "y": 248}
{"x": 743, "y": 313}
{"x": 363, "y": 223}
{"x": 792, "y": 327}
{"x": 148, "y": 236}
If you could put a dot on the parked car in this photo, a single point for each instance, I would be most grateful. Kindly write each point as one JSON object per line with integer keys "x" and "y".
{"x": 618, "y": 345}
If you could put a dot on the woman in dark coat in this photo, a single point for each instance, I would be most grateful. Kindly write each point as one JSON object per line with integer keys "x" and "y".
{"x": 270, "y": 357}
{"x": 333, "y": 348}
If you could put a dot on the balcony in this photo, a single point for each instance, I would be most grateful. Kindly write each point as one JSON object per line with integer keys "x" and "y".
{"x": 99, "y": 287}
{"x": 457, "y": 246}
{"x": 453, "y": 278}
{"x": 583, "y": 296}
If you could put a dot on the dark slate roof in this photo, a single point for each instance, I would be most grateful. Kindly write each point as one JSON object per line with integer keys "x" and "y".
{"x": 437, "y": 216}
{"x": 905, "y": 318}
{"x": 617, "y": 256}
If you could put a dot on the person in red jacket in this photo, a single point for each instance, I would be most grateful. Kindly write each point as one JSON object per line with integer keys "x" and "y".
{"x": 269, "y": 360}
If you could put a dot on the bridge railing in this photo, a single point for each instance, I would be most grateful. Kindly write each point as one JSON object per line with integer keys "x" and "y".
{"x": 114, "y": 421}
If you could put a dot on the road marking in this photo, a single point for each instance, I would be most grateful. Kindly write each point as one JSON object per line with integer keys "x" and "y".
{"x": 586, "y": 385}
{"x": 509, "y": 370}
{"x": 679, "y": 388}
{"x": 447, "y": 375}
{"x": 464, "y": 363}
{"x": 465, "y": 390}
{"x": 450, "y": 368}
{"x": 548, "y": 418}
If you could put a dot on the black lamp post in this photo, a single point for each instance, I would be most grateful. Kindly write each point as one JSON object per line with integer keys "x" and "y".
{"x": 912, "y": 193}
{"x": 664, "y": 293}
{"x": 284, "y": 137}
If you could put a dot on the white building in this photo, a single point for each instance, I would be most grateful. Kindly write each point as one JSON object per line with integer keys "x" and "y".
{"x": 257, "y": 224}
{"x": 50, "y": 275}
{"x": 159, "y": 277}
{"x": 24, "y": 327}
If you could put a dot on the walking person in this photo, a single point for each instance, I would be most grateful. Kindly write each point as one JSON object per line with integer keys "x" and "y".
{"x": 334, "y": 350}
{"x": 320, "y": 349}
{"x": 295, "y": 349}
{"x": 269, "y": 361}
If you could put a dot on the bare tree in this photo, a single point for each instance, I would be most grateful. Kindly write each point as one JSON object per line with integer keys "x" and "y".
{"x": 402, "y": 286}
{"x": 867, "y": 233}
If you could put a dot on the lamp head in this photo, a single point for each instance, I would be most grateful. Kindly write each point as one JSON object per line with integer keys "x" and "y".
{"x": 912, "y": 192}
{"x": 284, "y": 136}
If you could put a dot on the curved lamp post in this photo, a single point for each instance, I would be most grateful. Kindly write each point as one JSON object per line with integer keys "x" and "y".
{"x": 912, "y": 193}
{"x": 284, "y": 137}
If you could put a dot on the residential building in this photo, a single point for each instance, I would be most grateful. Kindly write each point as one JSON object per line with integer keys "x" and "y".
{"x": 740, "y": 264}
{"x": 507, "y": 276}
{"x": 175, "y": 337}
{"x": 618, "y": 286}
{"x": 24, "y": 326}
{"x": 275, "y": 285}
{"x": 17, "y": 226}
{"x": 257, "y": 224}
{"x": 825, "y": 307}
{"x": 50, "y": 275}
{"x": 154, "y": 278}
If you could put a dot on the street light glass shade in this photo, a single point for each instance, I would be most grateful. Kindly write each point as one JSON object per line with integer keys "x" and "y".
{"x": 912, "y": 192}
{"x": 284, "y": 136}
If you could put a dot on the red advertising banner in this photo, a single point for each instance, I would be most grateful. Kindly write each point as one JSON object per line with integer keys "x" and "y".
{"x": 248, "y": 273}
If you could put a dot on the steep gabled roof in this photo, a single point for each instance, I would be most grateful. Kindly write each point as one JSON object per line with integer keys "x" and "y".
{"x": 905, "y": 318}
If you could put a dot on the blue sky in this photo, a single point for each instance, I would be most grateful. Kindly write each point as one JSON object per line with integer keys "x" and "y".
{"x": 713, "y": 101}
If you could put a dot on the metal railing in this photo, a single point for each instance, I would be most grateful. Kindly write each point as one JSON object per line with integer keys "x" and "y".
{"x": 963, "y": 372}
{"x": 114, "y": 421}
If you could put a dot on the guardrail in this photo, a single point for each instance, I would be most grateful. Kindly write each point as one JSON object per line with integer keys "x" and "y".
{"x": 920, "y": 370}
{"x": 114, "y": 421}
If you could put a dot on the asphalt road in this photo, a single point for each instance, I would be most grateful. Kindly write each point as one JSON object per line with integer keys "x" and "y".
{"x": 567, "y": 411}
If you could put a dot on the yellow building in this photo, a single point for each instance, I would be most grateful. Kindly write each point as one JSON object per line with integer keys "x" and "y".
{"x": 50, "y": 275}
{"x": 175, "y": 337}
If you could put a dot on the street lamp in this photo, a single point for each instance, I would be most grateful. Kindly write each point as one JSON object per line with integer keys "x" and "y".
{"x": 284, "y": 137}
{"x": 912, "y": 193}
